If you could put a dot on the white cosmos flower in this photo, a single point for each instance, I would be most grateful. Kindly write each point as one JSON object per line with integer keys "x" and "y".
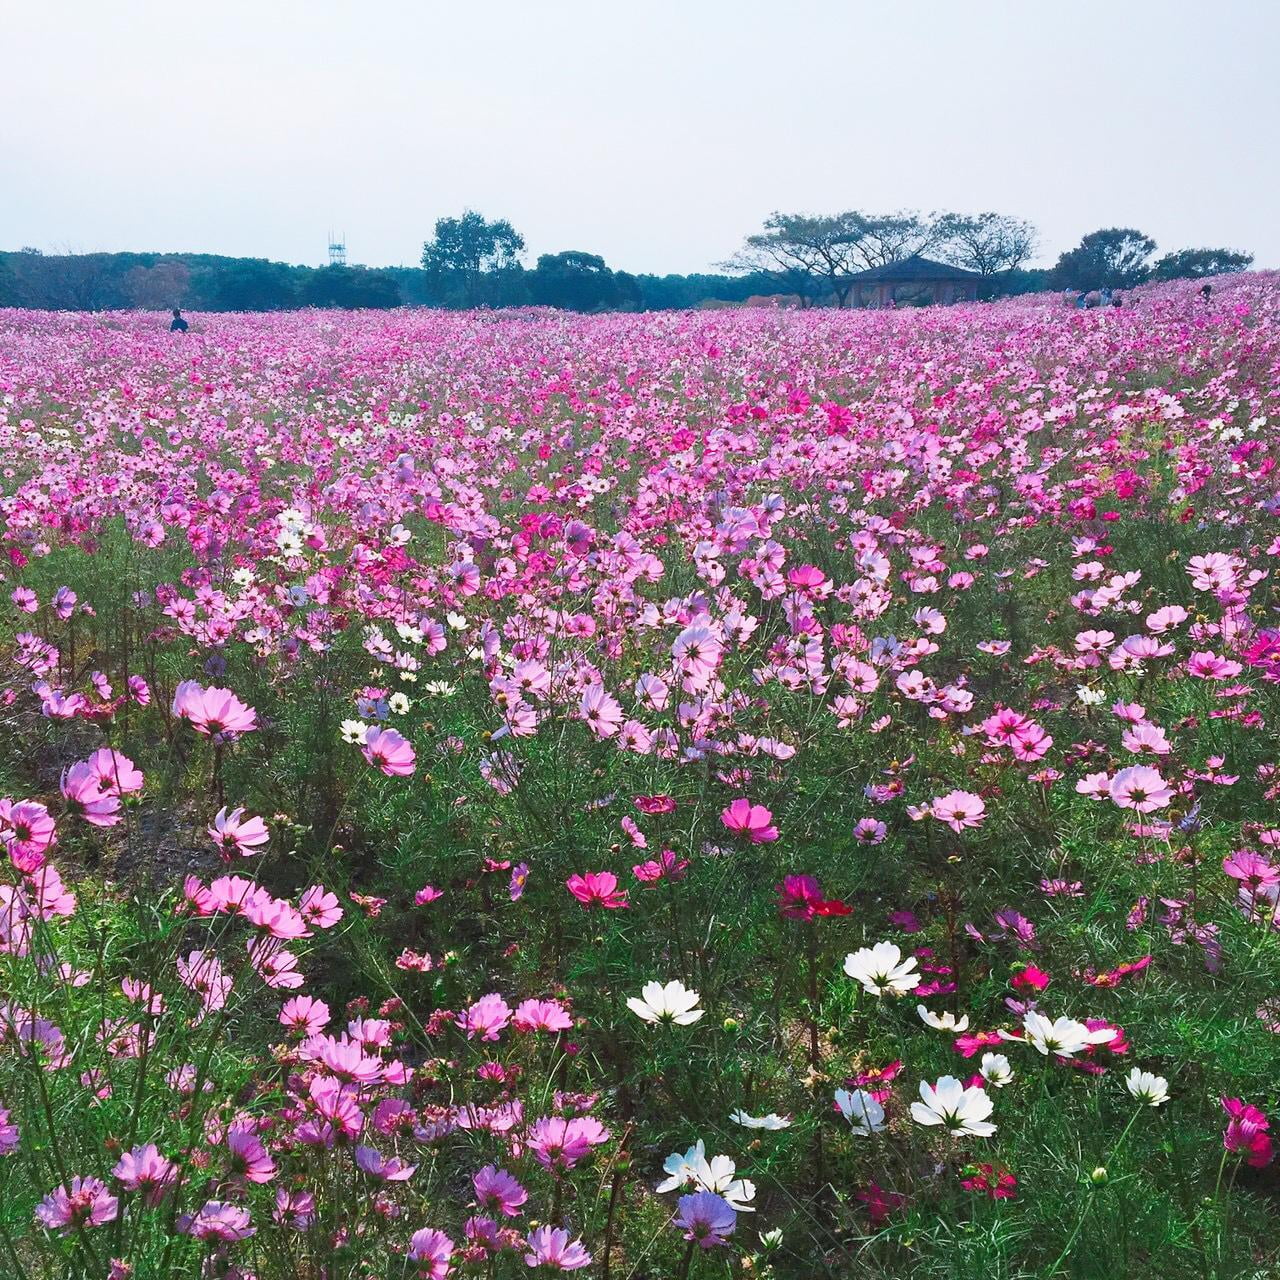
{"x": 963, "y": 1111}
{"x": 353, "y": 730}
{"x": 1090, "y": 697}
{"x": 673, "y": 1002}
{"x": 1147, "y": 1088}
{"x": 718, "y": 1175}
{"x": 864, "y": 1114}
{"x": 1064, "y": 1036}
{"x": 882, "y": 970}
{"x": 944, "y": 1021}
{"x": 772, "y": 1121}
{"x": 995, "y": 1069}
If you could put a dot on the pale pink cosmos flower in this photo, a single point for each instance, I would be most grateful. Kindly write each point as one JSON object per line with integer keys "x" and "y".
{"x": 28, "y": 832}
{"x": 552, "y": 1249}
{"x": 215, "y": 712}
{"x": 85, "y": 1203}
{"x": 601, "y": 711}
{"x": 486, "y": 1018}
{"x": 1140, "y": 788}
{"x": 233, "y": 833}
{"x": 217, "y": 1220}
{"x": 959, "y": 810}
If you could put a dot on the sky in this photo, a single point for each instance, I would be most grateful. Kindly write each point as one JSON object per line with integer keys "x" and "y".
{"x": 657, "y": 134}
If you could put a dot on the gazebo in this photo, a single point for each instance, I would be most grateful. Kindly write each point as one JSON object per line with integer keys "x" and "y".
{"x": 914, "y": 280}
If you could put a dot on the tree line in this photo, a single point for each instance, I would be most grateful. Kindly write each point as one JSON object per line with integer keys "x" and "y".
{"x": 472, "y": 261}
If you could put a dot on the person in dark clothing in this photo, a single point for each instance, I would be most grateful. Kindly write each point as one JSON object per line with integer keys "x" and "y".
{"x": 179, "y": 325}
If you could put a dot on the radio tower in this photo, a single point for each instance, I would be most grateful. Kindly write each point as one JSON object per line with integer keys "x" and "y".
{"x": 337, "y": 250}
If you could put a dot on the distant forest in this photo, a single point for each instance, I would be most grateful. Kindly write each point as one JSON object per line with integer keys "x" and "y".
{"x": 797, "y": 259}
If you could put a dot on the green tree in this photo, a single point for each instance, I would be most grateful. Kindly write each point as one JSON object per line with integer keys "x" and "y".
{"x": 1194, "y": 263}
{"x": 573, "y": 281}
{"x": 1113, "y": 258}
{"x": 466, "y": 250}
{"x": 992, "y": 244}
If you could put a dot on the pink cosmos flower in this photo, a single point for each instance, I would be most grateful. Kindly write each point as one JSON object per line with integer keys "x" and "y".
{"x": 144, "y": 1169}
{"x": 28, "y": 832}
{"x": 751, "y": 820}
{"x": 9, "y": 1135}
{"x": 559, "y": 1143}
{"x": 597, "y": 889}
{"x": 1140, "y": 788}
{"x": 294, "y": 1209}
{"x": 85, "y": 1203}
{"x": 959, "y": 810}
{"x": 86, "y": 799}
{"x": 601, "y": 711}
{"x": 1251, "y": 869}
{"x": 319, "y": 908}
{"x": 498, "y": 1192}
{"x": 551, "y": 1249}
{"x": 486, "y": 1018}
{"x": 800, "y": 898}
{"x": 541, "y": 1015}
{"x": 216, "y": 713}
{"x": 234, "y": 833}
{"x": 384, "y": 1168}
{"x": 217, "y": 1220}
{"x": 304, "y": 1014}
{"x": 668, "y": 865}
{"x": 432, "y": 1250}
{"x": 393, "y": 754}
{"x": 116, "y": 774}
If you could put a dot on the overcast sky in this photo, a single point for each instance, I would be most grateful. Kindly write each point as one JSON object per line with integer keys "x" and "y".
{"x": 656, "y": 133}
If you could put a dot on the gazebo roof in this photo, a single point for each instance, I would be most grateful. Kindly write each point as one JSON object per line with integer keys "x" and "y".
{"x": 912, "y": 270}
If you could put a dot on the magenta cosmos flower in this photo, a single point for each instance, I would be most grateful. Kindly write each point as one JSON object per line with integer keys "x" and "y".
{"x": 597, "y": 889}
{"x": 498, "y": 1192}
{"x": 751, "y": 820}
{"x": 1140, "y": 788}
{"x": 392, "y": 754}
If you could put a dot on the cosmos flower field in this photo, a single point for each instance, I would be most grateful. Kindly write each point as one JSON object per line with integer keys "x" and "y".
{"x": 744, "y": 793}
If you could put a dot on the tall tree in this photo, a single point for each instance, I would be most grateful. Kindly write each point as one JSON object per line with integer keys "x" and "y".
{"x": 991, "y": 244}
{"x": 814, "y": 256}
{"x": 1113, "y": 258}
{"x": 573, "y": 281}
{"x": 1193, "y": 263}
{"x": 465, "y": 250}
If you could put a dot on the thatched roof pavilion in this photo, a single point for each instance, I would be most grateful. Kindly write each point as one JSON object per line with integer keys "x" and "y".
{"x": 913, "y": 280}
